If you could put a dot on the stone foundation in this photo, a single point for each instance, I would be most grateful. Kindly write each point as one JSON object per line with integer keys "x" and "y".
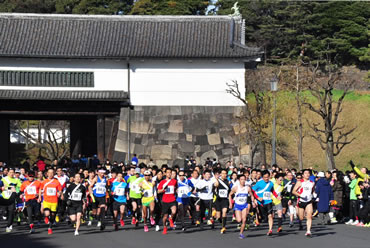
{"x": 167, "y": 134}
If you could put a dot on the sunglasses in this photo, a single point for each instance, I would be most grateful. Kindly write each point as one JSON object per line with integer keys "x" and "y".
{"x": 181, "y": 175}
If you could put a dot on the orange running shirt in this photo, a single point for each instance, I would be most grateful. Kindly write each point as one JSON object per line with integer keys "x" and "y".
{"x": 51, "y": 188}
{"x": 30, "y": 189}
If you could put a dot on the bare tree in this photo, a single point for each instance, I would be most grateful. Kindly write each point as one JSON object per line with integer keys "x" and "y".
{"x": 331, "y": 136}
{"x": 256, "y": 116}
{"x": 54, "y": 146}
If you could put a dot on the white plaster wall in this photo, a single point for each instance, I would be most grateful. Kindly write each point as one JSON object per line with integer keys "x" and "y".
{"x": 108, "y": 74}
{"x": 184, "y": 83}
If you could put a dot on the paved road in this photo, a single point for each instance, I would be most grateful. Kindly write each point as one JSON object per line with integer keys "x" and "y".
{"x": 323, "y": 236}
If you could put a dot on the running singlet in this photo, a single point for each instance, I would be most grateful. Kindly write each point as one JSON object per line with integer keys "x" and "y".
{"x": 76, "y": 193}
{"x": 30, "y": 189}
{"x": 100, "y": 187}
{"x": 50, "y": 188}
{"x": 119, "y": 189}
{"x": 148, "y": 192}
{"x": 306, "y": 191}
{"x": 264, "y": 191}
{"x": 184, "y": 188}
{"x": 169, "y": 186}
{"x": 241, "y": 197}
{"x": 223, "y": 189}
{"x": 206, "y": 187}
{"x": 62, "y": 180}
{"x": 8, "y": 182}
{"x": 195, "y": 183}
{"x": 278, "y": 189}
{"x": 134, "y": 182}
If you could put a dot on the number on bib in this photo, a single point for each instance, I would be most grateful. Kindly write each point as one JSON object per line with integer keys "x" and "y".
{"x": 76, "y": 196}
{"x": 51, "y": 191}
{"x": 183, "y": 191}
{"x": 31, "y": 190}
{"x": 100, "y": 190}
{"x": 148, "y": 193}
{"x": 119, "y": 191}
{"x": 266, "y": 196}
{"x": 170, "y": 190}
{"x": 222, "y": 193}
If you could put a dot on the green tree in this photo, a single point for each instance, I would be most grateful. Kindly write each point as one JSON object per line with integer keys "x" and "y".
{"x": 170, "y": 7}
{"x": 94, "y": 7}
{"x": 27, "y": 6}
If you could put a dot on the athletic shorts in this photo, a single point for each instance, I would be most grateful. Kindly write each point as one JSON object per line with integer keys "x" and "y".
{"x": 138, "y": 201}
{"x": 74, "y": 209}
{"x": 99, "y": 201}
{"x": 221, "y": 203}
{"x": 50, "y": 205}
{"x": 266, "y": 209}
{"x": 166, "y": 206}
{"x": 278, "y": 207}
{"x": 240, "y": 207}
{"x": 304, "y": 204}
{"x": 183, "y": 201}
{"x": 117, "y": 205}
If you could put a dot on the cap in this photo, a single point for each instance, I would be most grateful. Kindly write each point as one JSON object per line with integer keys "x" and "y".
{"x": 231, "y": 167}
{"x": 137, "y": 171}
{"x": 17, "y": 171}
{"x": 147, "y": 172}
{"x": 321, "y": 174}
{"x": 101, "y": 170}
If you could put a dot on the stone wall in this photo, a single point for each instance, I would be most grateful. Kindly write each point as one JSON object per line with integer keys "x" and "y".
{"x": 167, "y": 134}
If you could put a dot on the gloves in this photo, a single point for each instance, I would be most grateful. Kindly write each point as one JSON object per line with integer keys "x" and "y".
{"x": 352, "y": 164}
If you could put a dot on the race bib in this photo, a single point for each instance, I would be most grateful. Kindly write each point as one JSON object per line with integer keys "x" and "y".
{"x": 184, "y": 191}
{"x": 51, "y": 191}
{"x": 135, "y": 188}
{"x": 240, "y": 200}
{"x": 148, "y": 193}
{"x": 170, "y": 190}
{"x": 31, "y": 190}
{"x": 222, "y": 193}
{"x": 76, "y": 197}
{"x": 266, "y": 196}
{"x": 7, "y": 193}
{"x": 100, "y": 190}
{"x": 119, "y": 191}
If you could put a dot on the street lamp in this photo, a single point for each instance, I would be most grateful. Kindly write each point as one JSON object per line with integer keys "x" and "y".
{"x": 274, "y": 88}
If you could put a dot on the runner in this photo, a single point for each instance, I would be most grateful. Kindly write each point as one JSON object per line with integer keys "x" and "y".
{"x": 222, "y": 201}
{"x": 9, "y": 183}
{"x": 51, "y": 191}
{"x": 185, "y": 187}
{"x": 76, "y": 195}
{"x": 90, "y": 211}
{"x": 120, "y": 194}
{"x": 63, "y": 179}
{"x": 31, "y": 190}
{"x": 304, "y": 191}
{"x": 135, "y": 196}
{"x": 262, "y": 192}
{"x": 241, "y": 191}
{"x": 98, "y": 190}
{"x": 168, "y": 187}
{"x": 158, "y": 199}
{"x": 205, "y": 188}
{"x": 147, "y": 187}
{"x": 194, "y": 197}
{"x": 278, "y": 207}
{"x": 289, "y": 200}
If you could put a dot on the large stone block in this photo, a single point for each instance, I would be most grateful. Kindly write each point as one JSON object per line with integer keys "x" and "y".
{"x": 214, "y": 139}
{"x": 169, "y": 136}
{"x": 139, "y": 149}
{"x": 175, "y": 110}
{"x": 227, "y": 152}
{"x": 160, "y": 119}
{"x": 186, "y": 146}
{"x": 201, "y": 140}
{"x": 210, "y": 154}
{"x": 189, "y": 137}
{"x": 161, "y": 152}
{"x": 122, "y": 146}
{"x": 176, "y": 126}
{"x": 244, "y": 150}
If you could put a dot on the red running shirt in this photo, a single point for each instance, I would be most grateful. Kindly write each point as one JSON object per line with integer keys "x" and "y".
{"x": 170, "y": 189}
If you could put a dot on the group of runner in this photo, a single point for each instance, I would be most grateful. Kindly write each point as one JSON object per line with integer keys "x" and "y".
{"x": 153, "y": 196}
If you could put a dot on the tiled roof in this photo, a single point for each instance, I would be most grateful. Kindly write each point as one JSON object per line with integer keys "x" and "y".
{"x": 63, "y": 95}
{"x": 86, "y": 36}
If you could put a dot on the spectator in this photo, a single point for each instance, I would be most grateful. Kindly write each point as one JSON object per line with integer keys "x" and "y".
{"x": 27, "y": 164}
{"x": 353, "y": 208}
{"x": 324, "y": 196}
{"x": 41, "y": 164}
{"x": 135, "y": 159}
{"x": 337, "y": 186}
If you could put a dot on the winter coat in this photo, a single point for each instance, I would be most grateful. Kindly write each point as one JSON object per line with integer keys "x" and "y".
{"x": 325, "y": 195}
{"x": 338, "y": 192}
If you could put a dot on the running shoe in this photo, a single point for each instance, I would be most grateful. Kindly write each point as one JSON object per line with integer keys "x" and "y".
{"x": 269, "y": 233}
{"x": 146, "y": 229}
{"x": 57, "y": 218}
{"x": 171, "y": 223}
{"x": 102, "y": 227}
{"x": 89, "y": 223}
{"x": 50, "y": 231}
{"x": 209, "y": 222}
{"x": 99, "y": 224}
{"x": 152, "y": 221}
{"x": 350, "y": 222}
{"x": 46, "y": 220}
{"x": 291, "y": 224}
{"x": 164, "y": 230}
{"x": 122, "y": 223}
{"x": 315, "y": 213}
{"x": 223, "y": 230}
{"x": 360, "y": 224}
{"x": 183, "y": 229}
{"x": 31, "y": 229}
{"x": 333, "y": 220}
{"x": 241, "y": 236}
{"x": 197, "y": 223}
{"x": 76, "y": 233}
{"x": 308, "y": 235}
{"x": 8, "y": 229}
{"x": 157, "y": 228}
{"x": 280, "y": 229}
{"x": 133, "y": 221}
{"x": 355, "y": 223}
{"x": 239, "y": 226}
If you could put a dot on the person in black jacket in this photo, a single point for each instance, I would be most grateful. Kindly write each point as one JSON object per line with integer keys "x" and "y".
{"x": 365, "y": 210}
{"x": 75, "y": 195}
